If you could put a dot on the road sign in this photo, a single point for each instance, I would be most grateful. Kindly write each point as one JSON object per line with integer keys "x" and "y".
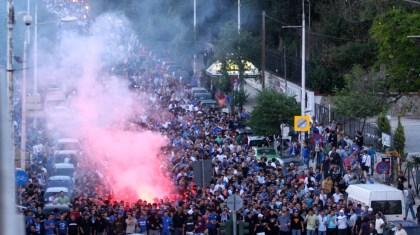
{"x": 234, "y": 202}
{"x": 302, "y": 123}
{"x": 386, "y": 139}
{"x": 21, "y": 178}
{"x": 203, "y": 172}
{"x": 383, "y": 167}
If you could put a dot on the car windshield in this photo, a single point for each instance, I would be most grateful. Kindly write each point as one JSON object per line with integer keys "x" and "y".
{"x": 258, "y": 142}
{"x": 64, "y": 171}
{"x": 266, "y": 151}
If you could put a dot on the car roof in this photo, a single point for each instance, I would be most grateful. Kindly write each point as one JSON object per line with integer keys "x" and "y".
{"x": 68, "y": 140}
{"x": 376, "y": 187}
{"x": 63, "y": 165}
{"x": 208, "y": 102}
{"x": 56, "y": 189}
{"x": 198, "y": 89}
{"x": 256, "y": 137}
{"x": 60, "y": 177}
{"x": 68, "y": 152}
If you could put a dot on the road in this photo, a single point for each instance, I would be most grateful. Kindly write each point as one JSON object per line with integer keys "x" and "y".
{"x": 412, "y": 133}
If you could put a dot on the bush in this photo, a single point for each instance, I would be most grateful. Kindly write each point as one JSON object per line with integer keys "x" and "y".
{"x": 383, "y": 124}
{"x": 272, "y": 109}
{"x": 399, "y": 138}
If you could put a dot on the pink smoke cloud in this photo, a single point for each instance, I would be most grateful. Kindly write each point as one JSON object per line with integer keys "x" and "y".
{"x": 130, "y": 160}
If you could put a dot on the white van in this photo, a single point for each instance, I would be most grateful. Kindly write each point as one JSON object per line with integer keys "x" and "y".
{"x": 380, "y": 197}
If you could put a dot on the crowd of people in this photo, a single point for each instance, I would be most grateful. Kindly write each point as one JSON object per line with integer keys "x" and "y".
{"x": 277, "y": 199}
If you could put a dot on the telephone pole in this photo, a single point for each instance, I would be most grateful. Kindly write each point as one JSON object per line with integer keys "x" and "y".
{"x": 8, "y": 216}
{"x": 263, "y": 52}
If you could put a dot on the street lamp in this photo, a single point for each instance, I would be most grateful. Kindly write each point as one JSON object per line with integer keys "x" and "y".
{"x": 27, "y": 19}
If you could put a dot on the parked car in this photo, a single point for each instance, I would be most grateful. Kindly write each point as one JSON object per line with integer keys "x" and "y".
{"x": 203, "y": 96}
{"x": 209, "y": 103}
{"x": 65, "y": 156}
{"x": 51, "y": 193}
{"x": 60, "y": 181}
{"x": 257, "y": 141}
{"x": 66, "y": 169}
{"x": 68, "y": 144}
{"x": 268, "y": 153}
{"x": 198, "y": 90}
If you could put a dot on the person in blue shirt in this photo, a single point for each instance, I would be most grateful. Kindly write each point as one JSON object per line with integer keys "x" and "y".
{"x": 166, "y": 224}
{"x": 142, "y": 223}
{"x": 49, "y": 225}
{"x": 332, "y": 223}
{"x": 29, "y": 220}
{"x": 213, "y": 223}
{"x": 62, "y": 226}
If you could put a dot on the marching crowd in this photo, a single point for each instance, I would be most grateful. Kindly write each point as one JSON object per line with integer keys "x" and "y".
{"x": 278, "y": 199}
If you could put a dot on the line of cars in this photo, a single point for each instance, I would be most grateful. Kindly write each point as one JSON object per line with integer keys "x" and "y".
{"x": 203, "y": 97}
{"x": 61, "y": 168}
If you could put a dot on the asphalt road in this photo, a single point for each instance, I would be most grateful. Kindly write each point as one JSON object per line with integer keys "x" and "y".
{"x": 412, "y": 133}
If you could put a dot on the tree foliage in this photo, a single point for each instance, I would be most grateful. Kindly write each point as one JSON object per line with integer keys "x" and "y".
{"x": 271, "y": 110}
{"x": 360, "y": 98}
{"x": 399, "y": 53}
{"x": 399, "y": 138}
{"x": 383, "y": 124}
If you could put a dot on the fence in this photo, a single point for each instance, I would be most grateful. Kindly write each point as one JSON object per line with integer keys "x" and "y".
{"x": 324, "y": 115}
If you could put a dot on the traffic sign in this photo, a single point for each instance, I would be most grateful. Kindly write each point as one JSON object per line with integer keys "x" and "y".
{"x": 386, "y": 139}
{"x": 302, "y": 123}
{"x": 21, "y": 177}
{"x": 383, "y": 167}
{"x": 234, "y": 202}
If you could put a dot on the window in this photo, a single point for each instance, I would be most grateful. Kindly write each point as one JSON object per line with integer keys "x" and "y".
{"x": 387, "y": 207}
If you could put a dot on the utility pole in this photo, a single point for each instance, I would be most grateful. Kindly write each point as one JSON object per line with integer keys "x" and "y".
{"x": 239, "y": 16}
{"x": 303, "y": 68}
{"x": 195, "y": 38}
{"x": 263, "y": 52}
{"x": 8, "y": 216}
{"x": 35, "y": 59}
{"x": 303, "y": 94}
{"x": 24, "y": 81}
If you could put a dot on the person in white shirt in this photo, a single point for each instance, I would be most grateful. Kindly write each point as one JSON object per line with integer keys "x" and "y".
{"x": 342, "y": 223}
{"x": 400, "y": 230}
{"x": 379, "y": 224}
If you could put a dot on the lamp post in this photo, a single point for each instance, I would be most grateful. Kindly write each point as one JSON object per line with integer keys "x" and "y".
{"x": 239, "y": 16}
{"x": 28, "y": 21}
{"x": 195, "y": 37}
{"x": 303, "y": 69}
{"x": 8, "y": 217}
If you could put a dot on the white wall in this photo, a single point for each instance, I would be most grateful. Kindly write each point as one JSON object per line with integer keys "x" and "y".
{"x": 279, "y": 84}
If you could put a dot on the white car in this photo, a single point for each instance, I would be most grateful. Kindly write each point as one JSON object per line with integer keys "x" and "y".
{"x": 66, "y": 169}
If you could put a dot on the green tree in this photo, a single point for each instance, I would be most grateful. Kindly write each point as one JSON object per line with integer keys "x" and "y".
{"x": 361, "y": 96}
{"x": 399, "y": 138}
{"x": 399, "y": 53}
{"x": 271, "y": 110}
{"x": 383, "y": 124}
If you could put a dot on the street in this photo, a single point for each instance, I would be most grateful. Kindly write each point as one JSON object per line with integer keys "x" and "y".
{"x": 159, "y": 117}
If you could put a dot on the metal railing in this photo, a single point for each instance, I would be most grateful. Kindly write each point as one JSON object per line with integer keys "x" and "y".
{"x": 325, "y": 115}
